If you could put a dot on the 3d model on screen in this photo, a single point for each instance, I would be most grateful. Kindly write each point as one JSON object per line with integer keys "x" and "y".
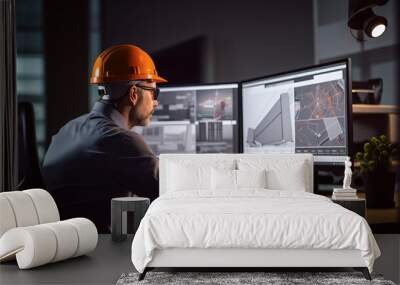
{"x": 320, "y": 116}
{"x": 304, "y": 111}
{"x": 275, "y": 127}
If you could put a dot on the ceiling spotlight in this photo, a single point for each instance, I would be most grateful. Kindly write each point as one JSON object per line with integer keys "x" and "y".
{"x": 364, "y": 20}
{"x": 376, "y": 27}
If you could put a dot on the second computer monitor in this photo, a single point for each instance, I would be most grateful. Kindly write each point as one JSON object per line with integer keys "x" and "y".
{"x": 195, "y": 119}
{"x": 304, "y": 111}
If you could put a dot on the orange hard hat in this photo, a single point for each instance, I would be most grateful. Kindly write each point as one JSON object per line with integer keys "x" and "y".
{"x": 124, "y": 63}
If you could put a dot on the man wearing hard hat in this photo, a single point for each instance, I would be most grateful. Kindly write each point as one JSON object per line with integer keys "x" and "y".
{"x": 96, "y": 156}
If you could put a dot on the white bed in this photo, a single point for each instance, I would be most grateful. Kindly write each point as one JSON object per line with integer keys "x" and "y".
{"x": 198, "y": 223}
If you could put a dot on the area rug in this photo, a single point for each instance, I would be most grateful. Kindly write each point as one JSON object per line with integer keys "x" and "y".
{"x": 273, "y": 278}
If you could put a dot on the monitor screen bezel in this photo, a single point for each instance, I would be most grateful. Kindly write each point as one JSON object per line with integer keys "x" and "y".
{"x": 348, "y": 107}
{"x": 168, "y": 85}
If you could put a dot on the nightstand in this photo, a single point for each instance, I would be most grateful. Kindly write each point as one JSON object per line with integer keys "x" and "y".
{"x": 357, "y": 205}
{"x": 119, "y": 219}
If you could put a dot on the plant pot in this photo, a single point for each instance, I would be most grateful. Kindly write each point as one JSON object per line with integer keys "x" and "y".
{"x": 379, "y": 188}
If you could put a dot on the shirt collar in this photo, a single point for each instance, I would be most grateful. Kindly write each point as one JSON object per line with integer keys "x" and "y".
{"x": 110, "y": 112}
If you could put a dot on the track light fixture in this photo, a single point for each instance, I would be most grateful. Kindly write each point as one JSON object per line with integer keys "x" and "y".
{"x": 363, "y": 20}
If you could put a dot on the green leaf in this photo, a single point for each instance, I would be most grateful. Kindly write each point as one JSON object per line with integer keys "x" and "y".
{"x": 371, "y": 165}
{"x": 359, "y": 156}
{"x": 367, "y": 147}
{"x": 374, "y": 140}
{"x": 384, "y": 139}
{"x": 364, "y": 165}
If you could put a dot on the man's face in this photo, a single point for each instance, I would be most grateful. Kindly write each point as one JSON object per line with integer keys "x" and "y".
{"x": 141, "y": 113}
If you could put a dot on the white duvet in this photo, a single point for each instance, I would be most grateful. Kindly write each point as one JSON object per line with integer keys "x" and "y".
{"x": 250, "y": 219}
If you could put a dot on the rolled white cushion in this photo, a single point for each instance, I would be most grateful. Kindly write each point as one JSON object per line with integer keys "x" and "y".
{"x": 26, "y": 208}
{"x": 87, "y": 234}
{"x": 7, "y": 218}
{"x": 45, "y": 205}
{"x": 67, "y": 240}
{"x": 33, "y": 246}
{"x": 23, "y": 208}
{"x": 37, "y": 245}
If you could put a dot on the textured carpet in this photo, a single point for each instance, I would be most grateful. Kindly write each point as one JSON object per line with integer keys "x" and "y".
{"x": 225, "y": 278}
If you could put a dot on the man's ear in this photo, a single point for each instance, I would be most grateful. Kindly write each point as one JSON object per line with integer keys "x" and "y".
{"x": 133, "y": 95}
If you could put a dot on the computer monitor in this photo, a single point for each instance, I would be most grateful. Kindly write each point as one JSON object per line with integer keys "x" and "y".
{"x": 195, "y": 119}
{"x": 302, "y": 111}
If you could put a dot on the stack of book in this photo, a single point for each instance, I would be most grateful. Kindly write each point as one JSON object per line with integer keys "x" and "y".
{"x": 344, "y": 194}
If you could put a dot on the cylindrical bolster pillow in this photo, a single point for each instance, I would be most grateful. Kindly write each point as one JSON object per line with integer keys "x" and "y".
{"x": 45, "y": 205}
{"x": 41, "y": 244}
{"x": 67, "y": 240}
{"x": 26, "y": 208}
{"x": 87, "y": 233}
{"x": 23, "y": 208}
{"x": 33, "y": 246}
{"x": 7, "y": 219}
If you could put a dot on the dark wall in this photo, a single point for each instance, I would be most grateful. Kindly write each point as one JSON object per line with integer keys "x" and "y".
{"x": 247, "y": 38}
{"x": 373, "y": 58}
{"x": 66, "y": 44}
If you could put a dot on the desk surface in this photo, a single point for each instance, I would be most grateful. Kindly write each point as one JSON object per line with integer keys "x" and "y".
{"x": 102, "y": 266}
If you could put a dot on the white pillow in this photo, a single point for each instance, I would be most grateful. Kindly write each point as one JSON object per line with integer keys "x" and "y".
{"x": 251, "y": 178}
{"x": 186, "y": 174}
{"x": 183, "y": 178}
{"x": 231, "y": 180}
{"x": 282, "y": 174}
{"x": 223, "y": 179}
{"x": 291, "y": 178}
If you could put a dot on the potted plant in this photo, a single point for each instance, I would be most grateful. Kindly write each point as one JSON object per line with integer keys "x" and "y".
{"x": 374, "y": 166}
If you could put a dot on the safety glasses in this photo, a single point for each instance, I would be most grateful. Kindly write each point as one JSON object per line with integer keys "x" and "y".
{"x": 154, "y": 90}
